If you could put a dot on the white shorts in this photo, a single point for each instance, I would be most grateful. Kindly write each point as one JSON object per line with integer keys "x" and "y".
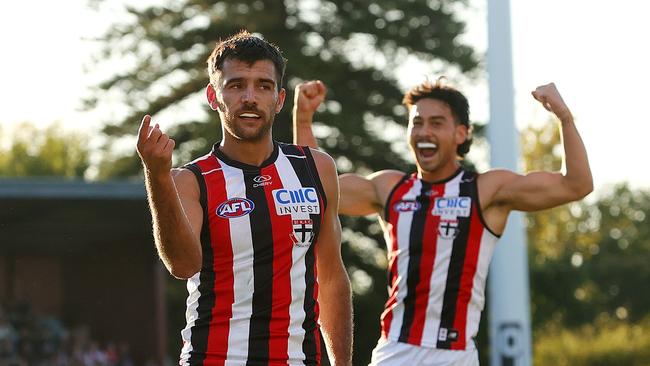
{"x": 392, "y": 353}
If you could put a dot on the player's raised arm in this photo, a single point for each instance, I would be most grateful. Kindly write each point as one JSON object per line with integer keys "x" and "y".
{"x": 173, "y": 197}
{"x": 308, "y": 96}
{"x": 541, "y": 190}
{"x": 359, "y": 195}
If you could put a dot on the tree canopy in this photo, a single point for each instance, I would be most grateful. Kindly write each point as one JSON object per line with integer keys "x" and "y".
{"x": 48, "y": 152}
{"x": 159, "y": 57}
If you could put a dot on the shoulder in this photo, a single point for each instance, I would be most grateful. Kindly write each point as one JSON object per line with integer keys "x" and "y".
{"x": 324, "y": 162}
{"x": 386, "y": 176}
{"x": 386, "y": 179}
{"x": 490, "y": 183}
{"x": 495, "y": 177}
{"x": 326, "y": 171}
{"x": 184, "y": 179}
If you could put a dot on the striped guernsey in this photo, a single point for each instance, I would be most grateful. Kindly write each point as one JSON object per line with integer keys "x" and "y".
{"x": 439, "y": 251}
{"x": 254, "y": 302}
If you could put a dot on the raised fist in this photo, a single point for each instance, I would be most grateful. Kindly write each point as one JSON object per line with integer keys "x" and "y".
{"x": 550, "y": 98}
{"x": 309, "y": 95}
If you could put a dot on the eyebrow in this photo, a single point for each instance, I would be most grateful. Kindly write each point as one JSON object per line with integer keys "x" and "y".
{"x": 240, "y": 79}
{"x": 436, "y": 117}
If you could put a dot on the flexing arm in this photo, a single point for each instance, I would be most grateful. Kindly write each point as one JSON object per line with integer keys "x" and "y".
{"x": 174, "y": 202}
{"x": 541, "y": 190}
{"x": 334, "y": 286}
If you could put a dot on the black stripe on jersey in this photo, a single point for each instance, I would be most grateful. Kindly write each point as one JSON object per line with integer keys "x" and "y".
{"x": 206, "y": 300}
{"x": 455, "y": 271}
{"x": 386, "y": 212}
{"x": 260, "y": 218}
{"x": 314, "y": 174}
{"x": 415, "y": 257}
{"x": 309, "y": 324}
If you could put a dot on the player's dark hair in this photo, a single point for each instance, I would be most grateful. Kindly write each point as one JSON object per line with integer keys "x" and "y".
{"x": 245, "y": 47}
{"x": 449, "y": 95}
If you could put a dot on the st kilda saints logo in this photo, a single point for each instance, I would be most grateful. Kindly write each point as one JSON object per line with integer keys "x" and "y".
{"x": 448, "y": 229}
{"x": 303, "y": 232}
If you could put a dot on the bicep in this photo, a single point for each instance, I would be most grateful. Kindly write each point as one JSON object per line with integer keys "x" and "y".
{"x": 534, "y": 191}
{"x": 358, "y": 196}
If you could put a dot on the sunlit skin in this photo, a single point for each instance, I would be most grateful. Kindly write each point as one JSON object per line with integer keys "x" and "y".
{"x": 432, "y": 122}
{"x": 247, "y": 99}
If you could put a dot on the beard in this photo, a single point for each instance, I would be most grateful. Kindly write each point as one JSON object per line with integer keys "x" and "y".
{"x": 241, "y": 131}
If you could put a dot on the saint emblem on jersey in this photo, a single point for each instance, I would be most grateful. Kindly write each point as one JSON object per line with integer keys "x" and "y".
{"x": 452, "y": 206}
{"x": 303, "y": 232}
{"x": 448, "y": 229}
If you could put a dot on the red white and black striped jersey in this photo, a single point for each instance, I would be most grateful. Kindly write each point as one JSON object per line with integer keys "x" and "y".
{"x": 254, "y": 302}
{"x": 439, "y": 251}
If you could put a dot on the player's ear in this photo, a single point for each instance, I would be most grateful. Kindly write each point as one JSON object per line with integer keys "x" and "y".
{"x": 211, "y": 94}
{"x": 281, "y": 96}
{"x": 462, "y": 133}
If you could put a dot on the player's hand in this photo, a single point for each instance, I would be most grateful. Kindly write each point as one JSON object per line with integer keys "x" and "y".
{"x": 154, "y": 147}
{"x": 309, "y": 95}
{"x": 550, "y": 98}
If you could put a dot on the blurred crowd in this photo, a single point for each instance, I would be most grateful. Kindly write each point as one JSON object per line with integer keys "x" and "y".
{"x": 27, "y": 339}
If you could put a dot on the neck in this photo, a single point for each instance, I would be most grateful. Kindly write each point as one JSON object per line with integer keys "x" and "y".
{"x": 439, "y": 174}
{"x": 248, "y": 152}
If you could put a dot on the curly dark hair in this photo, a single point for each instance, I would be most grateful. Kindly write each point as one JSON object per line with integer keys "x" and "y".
{"x": 245, "y": 47}
{"x": 451, "y": 96}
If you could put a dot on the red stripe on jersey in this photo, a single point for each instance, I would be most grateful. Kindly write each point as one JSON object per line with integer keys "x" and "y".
{"x": 387, "y": 315}
{"x": 282, "y": 263}
{"x": 429, "y": 248}
{"x": 217, "y": 345}
{"x": 467, "y": 279}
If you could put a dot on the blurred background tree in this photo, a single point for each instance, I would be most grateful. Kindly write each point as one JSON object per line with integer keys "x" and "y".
{"x": 42, "y": 152}
{"x": 588, "y": 267}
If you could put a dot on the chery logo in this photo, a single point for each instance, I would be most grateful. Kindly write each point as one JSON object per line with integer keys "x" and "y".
{"x": 262, "y": 178}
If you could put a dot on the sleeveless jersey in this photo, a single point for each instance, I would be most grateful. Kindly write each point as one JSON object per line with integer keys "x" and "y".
{"x": 254, "y": 302}
{"x": 439, "y": 251}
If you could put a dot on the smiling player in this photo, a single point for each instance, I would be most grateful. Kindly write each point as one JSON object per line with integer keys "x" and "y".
{"x": 441, "y": 223}
{"x": 252, "y": 226}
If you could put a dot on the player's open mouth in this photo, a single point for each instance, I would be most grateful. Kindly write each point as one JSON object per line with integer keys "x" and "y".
{"x": 249, "y": 115}
{"x": 426, "y": 149}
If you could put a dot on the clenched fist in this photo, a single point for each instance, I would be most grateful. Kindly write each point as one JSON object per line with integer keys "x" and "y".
{"x": 309, "y": 95}
{"x": 154, "y": 147}
{"x": 550, "y": 98}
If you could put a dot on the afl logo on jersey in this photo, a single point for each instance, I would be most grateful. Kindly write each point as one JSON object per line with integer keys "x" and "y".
{"x": 235, "y": 207}
{"x": 406, "y": 206}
